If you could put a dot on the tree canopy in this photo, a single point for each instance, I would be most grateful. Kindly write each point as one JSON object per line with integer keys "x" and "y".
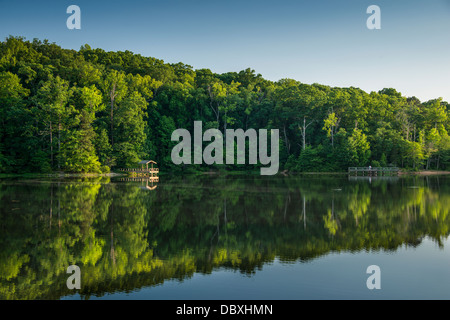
{"x": 91, "y": 111}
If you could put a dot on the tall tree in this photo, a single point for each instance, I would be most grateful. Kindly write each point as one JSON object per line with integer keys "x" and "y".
{"x": 115, "y": 88}
{"x": 52, "y": 98}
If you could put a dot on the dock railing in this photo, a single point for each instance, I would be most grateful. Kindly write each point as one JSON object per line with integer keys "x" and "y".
{"x": 150, "y": 172}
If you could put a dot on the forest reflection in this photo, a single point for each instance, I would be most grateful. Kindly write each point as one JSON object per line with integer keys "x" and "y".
{"x": 125, "y": 237}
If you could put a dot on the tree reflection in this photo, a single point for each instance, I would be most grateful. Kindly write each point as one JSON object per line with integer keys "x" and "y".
{"x": 124, "y": 237}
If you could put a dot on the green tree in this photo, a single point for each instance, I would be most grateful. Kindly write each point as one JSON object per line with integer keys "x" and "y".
{"x": 130, "y": 130}
{"x": 115, "y": 89}
{"x": 52, "y": 98}
{"x": 331, "y": 123}
{"x": 359, "y": 148}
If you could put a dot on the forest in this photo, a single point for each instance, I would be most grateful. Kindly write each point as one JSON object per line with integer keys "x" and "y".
{"x": 93, "y": 111}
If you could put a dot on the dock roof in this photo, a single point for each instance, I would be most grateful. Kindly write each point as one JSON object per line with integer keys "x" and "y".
{"x": 146, "y": 162}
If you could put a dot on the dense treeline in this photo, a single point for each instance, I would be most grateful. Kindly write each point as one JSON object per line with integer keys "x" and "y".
{"x": 92, "y": 110}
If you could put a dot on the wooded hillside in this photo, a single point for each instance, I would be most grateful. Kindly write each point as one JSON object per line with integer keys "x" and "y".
{"x": 92, "y": 111}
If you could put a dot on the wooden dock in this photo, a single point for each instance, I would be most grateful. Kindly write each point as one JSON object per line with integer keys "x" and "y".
{"x": 373, "y": 171}
{"x": 139, "y": 171}
{"x": 144, "y": 170}
{"x": 143, "y": 174}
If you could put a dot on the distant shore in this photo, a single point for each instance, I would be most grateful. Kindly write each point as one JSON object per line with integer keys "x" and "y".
{"x": 61, "y": 175}
{"x": 109, "y": 174}
{"x": 424, "y": 172}
{"x": 211, "y": 173}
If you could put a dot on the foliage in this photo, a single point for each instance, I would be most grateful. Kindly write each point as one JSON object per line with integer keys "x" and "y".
{"x": 79, "y": 111}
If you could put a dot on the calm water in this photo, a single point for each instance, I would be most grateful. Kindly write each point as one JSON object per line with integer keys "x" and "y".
{"x": 240, "y": 237}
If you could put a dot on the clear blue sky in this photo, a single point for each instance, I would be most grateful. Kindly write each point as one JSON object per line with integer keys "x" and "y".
{"x": 311, "y": 41}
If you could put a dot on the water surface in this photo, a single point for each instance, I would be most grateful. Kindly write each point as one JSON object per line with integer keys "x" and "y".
{"x": 238, "y": 237}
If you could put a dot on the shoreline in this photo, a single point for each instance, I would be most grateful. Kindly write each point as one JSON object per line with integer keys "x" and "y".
{"x": 60, "y": 175}
{"x": 424, "y": 173}
{"x": 210, "y": 173}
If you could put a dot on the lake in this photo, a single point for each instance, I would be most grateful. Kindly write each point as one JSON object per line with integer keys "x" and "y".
{"x": 226, "y": 237}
